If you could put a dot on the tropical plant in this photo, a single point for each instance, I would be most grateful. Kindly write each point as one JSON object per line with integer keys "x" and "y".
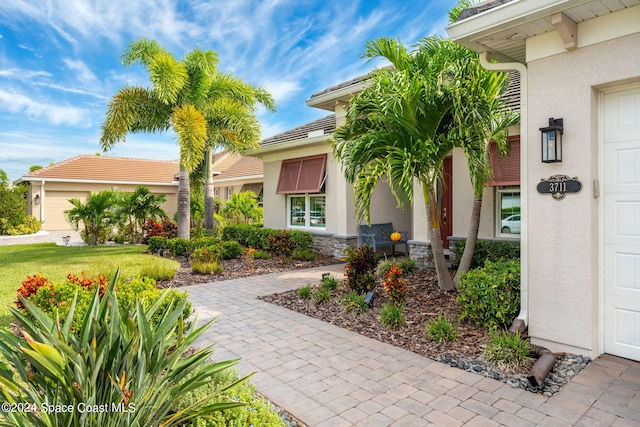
{"x": 396, "y": 130}
{"x": 134, "y": 209}
{"x": 305, "y": 291}
{"x": 96, "y": 213}
{"x": 242, "y": 208}
{"x": 178, "y": 100}
{"x": 394, "y": 285}
{"x": 360, "y": 267}
{"x": 131, "y": 368}
{"x": 321, "y": 295}
{"x": 354, "y": 302}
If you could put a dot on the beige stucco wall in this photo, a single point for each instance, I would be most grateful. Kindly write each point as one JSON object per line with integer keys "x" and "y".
{"x": 235, "y": 184}
{"x": 57, "y": 194}
{"x": 339, "y": 195}
{"x": 563, "y": 238}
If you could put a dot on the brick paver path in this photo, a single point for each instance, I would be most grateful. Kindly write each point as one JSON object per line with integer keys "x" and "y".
{"x": 328, "y": 376}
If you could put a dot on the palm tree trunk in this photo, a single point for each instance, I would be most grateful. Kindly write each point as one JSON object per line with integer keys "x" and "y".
{"x": 445, "y": 282}
{"x": 184, "y": 204}
{"x": 472, "y": 238}
{"x": 209, "y": 221}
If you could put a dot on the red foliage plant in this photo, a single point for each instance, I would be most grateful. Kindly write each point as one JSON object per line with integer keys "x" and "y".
{"x": 395, "y": 285}
{"x": 164, "y": 228}
{"x": 91, "y": 283}
{"x": 29, "y": 287}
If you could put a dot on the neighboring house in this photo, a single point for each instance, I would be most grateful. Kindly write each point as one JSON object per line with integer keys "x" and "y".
{"x": 52, "y": 187}
{"x": 322, "y": 201}
{"x": 234, "y": 174}
{"x": 579, "y": 60}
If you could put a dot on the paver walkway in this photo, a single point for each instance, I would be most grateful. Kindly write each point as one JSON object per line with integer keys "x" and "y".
{"x": 328, "y": 376}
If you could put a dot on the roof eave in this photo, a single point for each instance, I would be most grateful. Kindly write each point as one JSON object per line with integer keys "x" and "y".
{"x": 96, "y": 181}
{"x": 510, "y": 15}
{"x": 316, "y": 140}
{"x": 327, "y": 101}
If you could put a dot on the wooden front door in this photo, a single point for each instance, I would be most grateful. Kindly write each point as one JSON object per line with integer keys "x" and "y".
{"x": 446, "y": 203}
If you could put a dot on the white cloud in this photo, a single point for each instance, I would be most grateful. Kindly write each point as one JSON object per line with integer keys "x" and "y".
{"x": 23, "y": 74}
{"x": 283, "y": 90}
{"x": 85, "y": 75}
{"x": 17, "y": 103}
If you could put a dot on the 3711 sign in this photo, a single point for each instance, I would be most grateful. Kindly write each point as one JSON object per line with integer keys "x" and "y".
{"x": 559, "y": 185}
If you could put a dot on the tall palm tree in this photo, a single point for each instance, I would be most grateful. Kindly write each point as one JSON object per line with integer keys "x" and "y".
{"x": 231, "y": 125}
{"x": 396, "y": 130}
{"x": 176, "y": 100}
{"x": 482, "y": 118}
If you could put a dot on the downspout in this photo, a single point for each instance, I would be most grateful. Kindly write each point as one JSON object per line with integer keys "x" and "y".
{"x": 521, "y": 322}
{"x": 546, "y": 359}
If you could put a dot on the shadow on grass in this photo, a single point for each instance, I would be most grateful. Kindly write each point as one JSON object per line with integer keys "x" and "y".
{"x": 6, "y": 320}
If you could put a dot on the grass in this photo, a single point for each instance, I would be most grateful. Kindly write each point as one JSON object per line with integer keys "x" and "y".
{"x": 55, "y": 262}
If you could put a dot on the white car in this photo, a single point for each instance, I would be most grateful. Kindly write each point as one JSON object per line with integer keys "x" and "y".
{"x": 511, "y": 224}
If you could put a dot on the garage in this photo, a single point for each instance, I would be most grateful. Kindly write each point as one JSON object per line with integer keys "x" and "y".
{"x": 621, "y": 239}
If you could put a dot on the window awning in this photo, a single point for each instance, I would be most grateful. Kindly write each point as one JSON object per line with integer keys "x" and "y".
{"x": 505, "y": 170}
{"x": 255, "y": 187}
{"x": 302, "y": 175}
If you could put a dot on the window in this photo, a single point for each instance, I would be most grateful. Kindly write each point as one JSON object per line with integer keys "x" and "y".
{"x": 508, "y": 211}
{"x": 308, "y": 211}
{"x": 216, "y": 192}
{"x": 229, "y": 192}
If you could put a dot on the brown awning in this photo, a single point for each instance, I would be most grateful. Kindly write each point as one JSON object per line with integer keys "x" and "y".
{"x": 302, "y": 175}
{"x": 255, "y": 187}
{"x": 506, "y": 170}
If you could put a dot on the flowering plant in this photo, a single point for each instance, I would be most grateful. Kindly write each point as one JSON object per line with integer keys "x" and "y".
{"x": 395, "y": 285}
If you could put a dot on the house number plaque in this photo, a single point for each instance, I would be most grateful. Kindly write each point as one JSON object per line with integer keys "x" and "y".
{"x": 559, "y": 185}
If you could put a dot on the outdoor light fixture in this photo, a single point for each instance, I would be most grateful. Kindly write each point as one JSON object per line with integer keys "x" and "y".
{"x": 36, "y": 200}
{"x": 552, "y": 141}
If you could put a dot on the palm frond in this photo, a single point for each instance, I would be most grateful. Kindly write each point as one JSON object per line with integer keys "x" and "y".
{"x": 191, "y": 129}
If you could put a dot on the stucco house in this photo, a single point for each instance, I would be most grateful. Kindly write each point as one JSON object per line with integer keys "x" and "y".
{"x": 321, "y": 201}
{"x": 579, "y": 61}
{"x": 51, "y": 187}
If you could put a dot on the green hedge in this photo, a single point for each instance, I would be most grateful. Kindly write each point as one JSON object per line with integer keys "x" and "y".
{"x": 488, "y": 250}
{"x": 258, "y": 237}
{"x": 490, "y": 296}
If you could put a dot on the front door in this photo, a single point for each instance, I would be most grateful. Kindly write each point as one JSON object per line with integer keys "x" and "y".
{"x": 621, "y": 148}
{"x": 446, "y": 203}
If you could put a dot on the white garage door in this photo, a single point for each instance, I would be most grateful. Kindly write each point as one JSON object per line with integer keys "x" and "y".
{"x": 622, "y": 223}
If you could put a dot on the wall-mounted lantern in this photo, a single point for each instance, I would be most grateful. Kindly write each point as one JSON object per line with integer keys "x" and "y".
{"x": 36, "y": 199}
{"x": 552, "y": 141}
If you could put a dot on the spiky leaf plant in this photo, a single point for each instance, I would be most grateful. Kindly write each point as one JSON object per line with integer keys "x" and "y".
{"x": 120, "y": 370}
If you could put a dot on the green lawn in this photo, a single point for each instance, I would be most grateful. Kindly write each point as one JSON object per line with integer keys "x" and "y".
{"x": 55, "y": 262}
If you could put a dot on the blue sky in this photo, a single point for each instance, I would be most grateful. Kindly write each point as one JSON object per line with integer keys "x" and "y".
{"x": 59, "y": 61}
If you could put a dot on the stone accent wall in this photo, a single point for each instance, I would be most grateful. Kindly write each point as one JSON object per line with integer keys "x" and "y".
{"x": 333, "y": 244}
{"x": 421, "y": 252}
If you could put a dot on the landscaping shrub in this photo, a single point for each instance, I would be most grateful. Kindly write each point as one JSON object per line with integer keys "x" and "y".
{"x": 321, "y": 295}
{"x": 407, "y": 265}
{"x": 231, "y": 249}
{"x": 441, "y": 329}
{"x": 492, "y": 250}
{"x": 203, "y": 241}
{"x": 29, "y": 287}
{"x": 206, "y": 260}
{"x": 206, "y": 268}
{"x": 506, "y": 349}
{"x": 490, "y": 296}
{"x": 305, "y": 291}
{"x": 258, "y": 413}
{"x": 155, "y": 243}
{"x": 329, "y": 282}
{"x": 281, "y": 244}
{"x": 302, "y": 240}
{"x": 260, "y": 254}
{"x": 124, "y": 361}
{"x": 158, "y": 271}
{"x": 30, "y": 225}
{"x": 178, "y": 246}
{"x": 360, "y": 267}
{"x": 164, "y": 228}
{"x": 395, "y": 285}
{"x": 354, "y": 302}
{"x": 13, "y": 205}
{"x": 392, "y": 315}
{"x": 248, "y": 235}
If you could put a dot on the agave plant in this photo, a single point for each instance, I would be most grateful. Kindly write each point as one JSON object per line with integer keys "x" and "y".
{"x": 121, "y": 369}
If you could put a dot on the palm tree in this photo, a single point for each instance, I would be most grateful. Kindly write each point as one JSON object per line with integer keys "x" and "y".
{"x": 137, "y": 207}
{"x": 396, "y": 130}
{"x": 242, "y": 208}
{"x": 96, "y": 213}
{"x": 481, "y": 117}
{"x": 231, "y": 125}
{"x": 176, "y": 100}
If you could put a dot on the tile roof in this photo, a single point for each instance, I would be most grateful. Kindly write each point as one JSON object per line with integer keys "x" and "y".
{"x": 107, "y": 168}
{"x": 245, "y": 166}
{"x": 325, "y": 124}
{"x": 352, "y": 82}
